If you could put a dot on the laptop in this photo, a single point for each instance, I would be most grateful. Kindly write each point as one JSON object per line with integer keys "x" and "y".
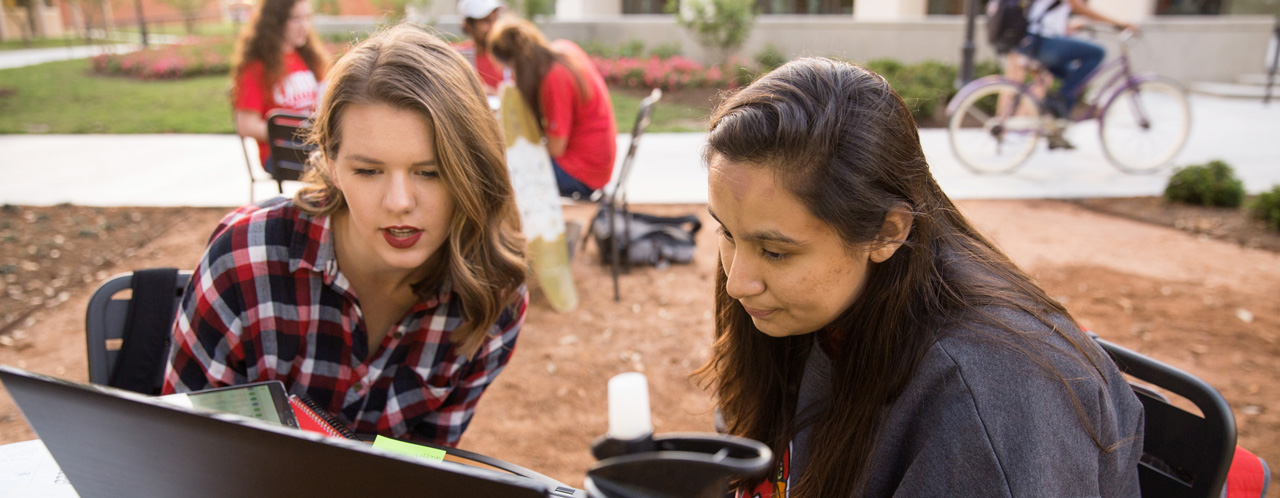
{"x": 113, "y": 443}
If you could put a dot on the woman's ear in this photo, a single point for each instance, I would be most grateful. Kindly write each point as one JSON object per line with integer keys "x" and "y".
{"x": 894, "y": 231}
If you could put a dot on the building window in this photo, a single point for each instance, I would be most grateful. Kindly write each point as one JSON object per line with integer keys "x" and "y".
{"x": 805, "y": 6}
{"x": 1188, "y": 7}
{"x": 643, "y": 6}
{"x": 948, "y": 7}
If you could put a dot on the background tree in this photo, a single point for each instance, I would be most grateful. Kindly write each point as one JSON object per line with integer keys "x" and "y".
{"x": 529, "y": 9}
{"x": 397, "y": 9}
{"x": 720, "y": 26}
{"x": 190, "y": 11}
{"x": 30, "y": 29}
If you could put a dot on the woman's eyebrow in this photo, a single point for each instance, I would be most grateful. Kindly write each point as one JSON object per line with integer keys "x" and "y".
{"x": 369, "y": 160}
{"x": 761, "y": 235}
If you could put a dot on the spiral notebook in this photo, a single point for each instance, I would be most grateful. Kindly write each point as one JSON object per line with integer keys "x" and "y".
{"x": 112, "y": 443}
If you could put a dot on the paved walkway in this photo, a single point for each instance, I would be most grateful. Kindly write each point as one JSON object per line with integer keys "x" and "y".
{"x": 117, "y": 42}
{"x": 33, "y": 56}
{"x": 209, "y": 170}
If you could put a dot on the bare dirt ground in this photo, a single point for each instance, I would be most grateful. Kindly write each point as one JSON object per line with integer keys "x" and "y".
{"x": 1196, "y": 299}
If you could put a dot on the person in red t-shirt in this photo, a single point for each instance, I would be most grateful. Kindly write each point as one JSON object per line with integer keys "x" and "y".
{"x": 277, "y": 64}
{"x": 568, "y": 97}
{"x": 478, "y": 17}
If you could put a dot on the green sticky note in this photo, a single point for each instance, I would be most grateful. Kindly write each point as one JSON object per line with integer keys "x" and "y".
{"x": 403, "y": 448}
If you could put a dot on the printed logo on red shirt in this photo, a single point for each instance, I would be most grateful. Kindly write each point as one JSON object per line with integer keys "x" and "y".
{"x": 296, "y": 91}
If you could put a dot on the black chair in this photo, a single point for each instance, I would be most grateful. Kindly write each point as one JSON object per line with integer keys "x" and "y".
{"x": 1184, "y": 455}
{"x": 112, "y": 318}
{"x": 286, "y": 135}
{"x": 615, "y": 200}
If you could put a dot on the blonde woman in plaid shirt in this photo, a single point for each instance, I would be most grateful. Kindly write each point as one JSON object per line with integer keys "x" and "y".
{"x": 390, "y": 289}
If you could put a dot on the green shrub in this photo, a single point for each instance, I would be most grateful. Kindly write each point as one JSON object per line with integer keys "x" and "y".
{"x": 1212, "y": 184}
{"x": 599, "y": 49}
{"x": 925, "y": 87}
{"x": 633, "y": 48}
{"x": 666, "y": 50}
{"x": 770, "y": 58}
{"x": 1267, "y": 208}
{"x": 720, "y": 26}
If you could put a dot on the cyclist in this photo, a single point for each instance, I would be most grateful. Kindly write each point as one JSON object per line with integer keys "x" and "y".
{"x": 1070, "y": 60}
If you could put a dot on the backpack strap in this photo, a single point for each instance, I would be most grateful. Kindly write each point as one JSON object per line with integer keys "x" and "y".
{"x": 1036, "y": 21}
{"x": 140, "y": 365}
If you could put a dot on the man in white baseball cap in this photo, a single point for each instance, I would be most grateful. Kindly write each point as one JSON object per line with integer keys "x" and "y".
{"x": 478, "y": 17}
{"x": 477, "y": 9}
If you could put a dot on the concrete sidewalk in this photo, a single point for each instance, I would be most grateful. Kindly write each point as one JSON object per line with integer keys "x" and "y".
{"x": 209, "y": 170}
{"x": 33, "y": 56}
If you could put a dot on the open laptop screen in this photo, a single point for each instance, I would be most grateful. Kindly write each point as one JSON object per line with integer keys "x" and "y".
{"x": 113, "y": 443}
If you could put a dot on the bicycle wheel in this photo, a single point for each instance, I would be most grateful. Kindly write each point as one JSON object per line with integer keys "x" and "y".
{"x": 995, "y": 128}
{"x": 1145, "y": 125}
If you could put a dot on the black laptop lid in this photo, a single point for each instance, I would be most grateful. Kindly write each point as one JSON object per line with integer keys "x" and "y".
{"x": 112, "y": 443}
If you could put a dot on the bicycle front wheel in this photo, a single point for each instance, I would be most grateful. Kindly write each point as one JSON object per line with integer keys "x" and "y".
{"x": 995, "y": 128}
{"x": 1145, "y": 125}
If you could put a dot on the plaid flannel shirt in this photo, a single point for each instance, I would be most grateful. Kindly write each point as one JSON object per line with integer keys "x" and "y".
{"x": 268, "y": 302}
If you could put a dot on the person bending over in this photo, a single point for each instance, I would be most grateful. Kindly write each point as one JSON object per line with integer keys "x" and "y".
{"x": 390, "y": 289}
{"x": 278, "y": 63}
{"x": 569, "y": 100}
{"x": 869, "y": 334}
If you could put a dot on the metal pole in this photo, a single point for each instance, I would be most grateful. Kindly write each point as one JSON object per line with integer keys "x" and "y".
{"x": 142, "y": 23}
{"x": 966, "y": 51}
{"x": 1275, "y": 61}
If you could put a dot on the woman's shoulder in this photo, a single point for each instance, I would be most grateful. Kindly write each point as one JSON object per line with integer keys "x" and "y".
{"x": 265, "y": 223}
{"x": 1000, "y": 342}
{"x": 1010, "y": 368}
{"x": 1022, "y": 405}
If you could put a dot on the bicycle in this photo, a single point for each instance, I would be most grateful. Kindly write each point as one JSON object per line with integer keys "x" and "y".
{"x": 995, "y": 123}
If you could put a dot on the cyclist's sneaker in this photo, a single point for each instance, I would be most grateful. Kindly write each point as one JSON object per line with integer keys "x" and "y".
{"x": 1056, "y": 106}
{"x": 1057, "y": 141}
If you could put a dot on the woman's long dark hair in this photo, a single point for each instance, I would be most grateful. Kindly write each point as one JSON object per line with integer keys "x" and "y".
{"x": 839, "y": 138}
{"x": 518, "y": 43}
{"x": 262, "y": 39}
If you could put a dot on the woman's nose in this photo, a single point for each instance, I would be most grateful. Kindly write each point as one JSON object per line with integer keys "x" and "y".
{"x": 741, "y": 279}
{"x": 399, "y": 194}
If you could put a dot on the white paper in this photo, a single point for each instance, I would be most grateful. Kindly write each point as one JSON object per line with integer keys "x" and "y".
{"x": 27, "y": 470}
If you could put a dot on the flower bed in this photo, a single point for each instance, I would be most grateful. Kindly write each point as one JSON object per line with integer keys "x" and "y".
{"x": 201, "y": 57}
{"x": 673, "y": 73}
{"x": 183, "y": 60}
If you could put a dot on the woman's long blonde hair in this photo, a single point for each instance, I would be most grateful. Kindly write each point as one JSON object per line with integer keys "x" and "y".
{"x": 407, "y": 68}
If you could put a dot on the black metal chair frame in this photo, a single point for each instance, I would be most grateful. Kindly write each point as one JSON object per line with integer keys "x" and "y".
{"x": 615, "y": 200}
{"x": 105, "y": 321}
{"x": 289, "y": 148}
{"x": 1183, "y": 455}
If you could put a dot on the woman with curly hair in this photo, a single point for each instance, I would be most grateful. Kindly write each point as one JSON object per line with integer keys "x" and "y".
{"x": 278, "y": 63}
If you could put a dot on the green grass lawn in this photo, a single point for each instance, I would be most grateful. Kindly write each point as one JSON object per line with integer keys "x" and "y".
{"x": 65, "y": 97}
{"x": 668, "y": 116}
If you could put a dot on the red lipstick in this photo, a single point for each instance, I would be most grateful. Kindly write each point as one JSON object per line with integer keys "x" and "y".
{"x": 401, "y": 237}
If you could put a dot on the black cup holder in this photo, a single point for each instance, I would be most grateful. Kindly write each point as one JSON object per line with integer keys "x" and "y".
{"x": 689, "y": 465}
